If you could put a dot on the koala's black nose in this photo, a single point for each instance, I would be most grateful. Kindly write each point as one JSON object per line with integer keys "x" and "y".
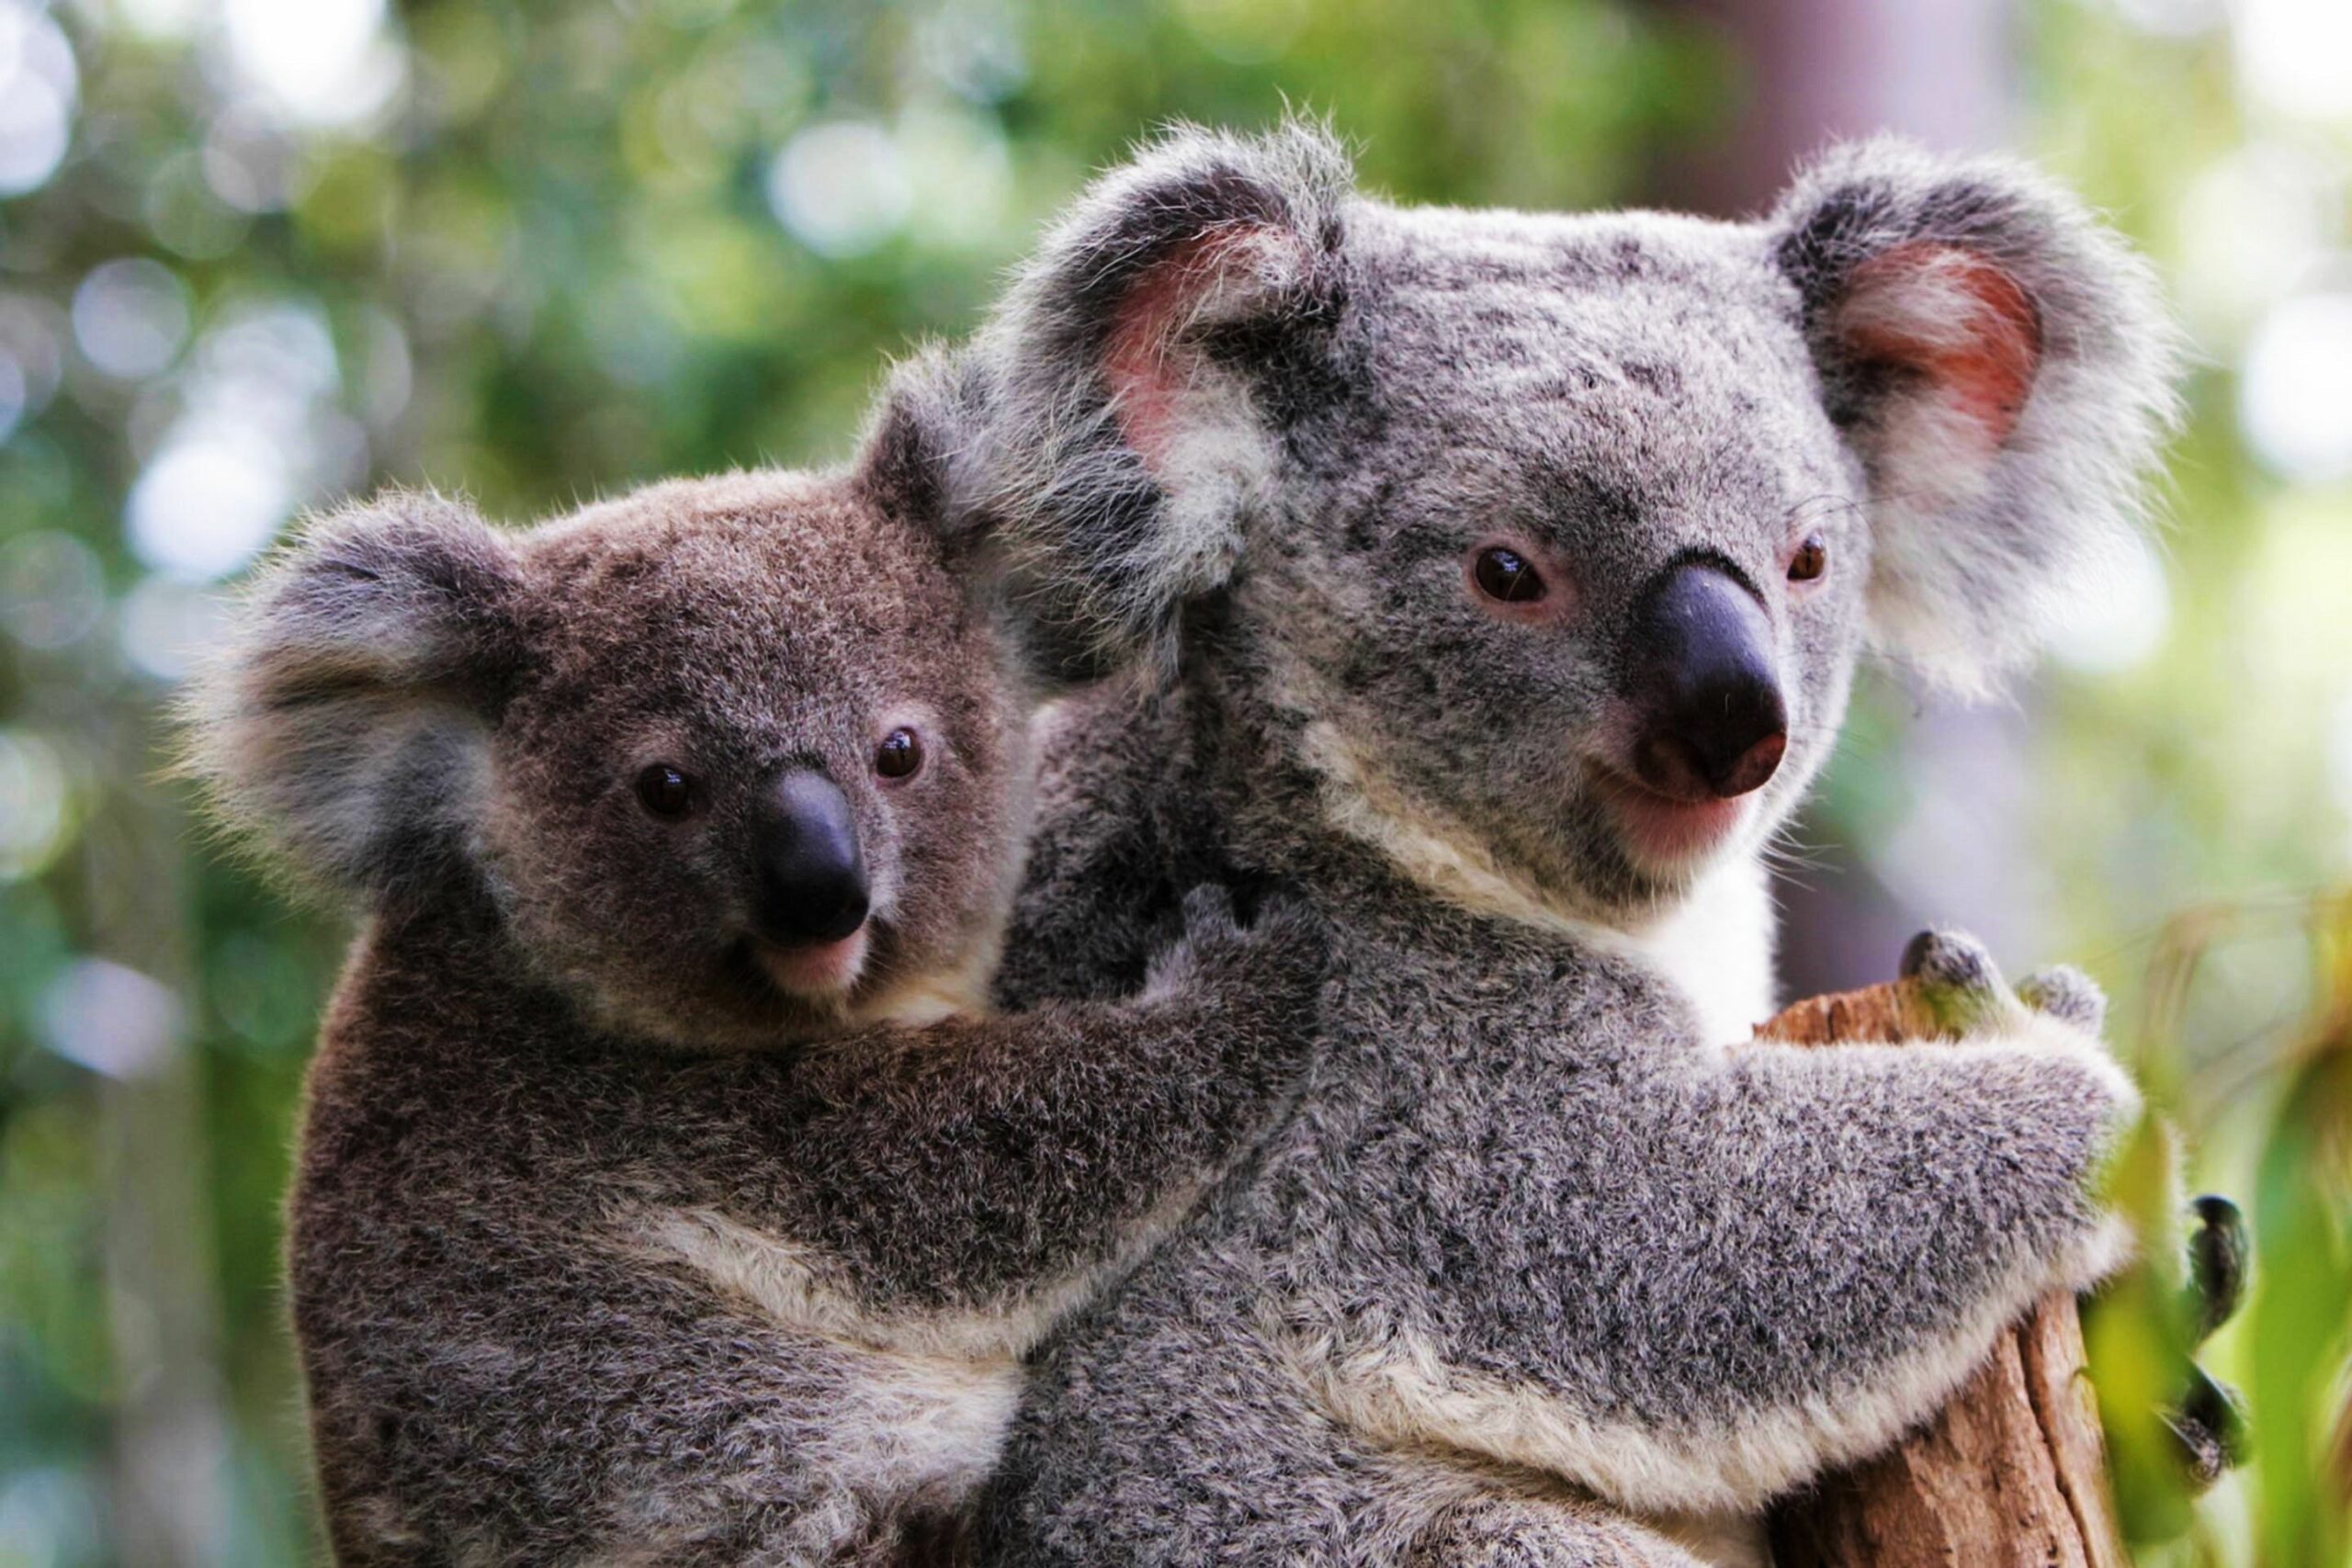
{"x": 1711, "y": 723}
{"x": 811, "y": 879}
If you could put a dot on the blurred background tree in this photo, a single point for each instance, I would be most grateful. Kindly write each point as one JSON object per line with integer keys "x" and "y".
{"x": 256, "y": 254}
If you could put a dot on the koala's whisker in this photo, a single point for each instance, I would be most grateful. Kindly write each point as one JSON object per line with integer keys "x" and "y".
{"x": 1827, "y": 501}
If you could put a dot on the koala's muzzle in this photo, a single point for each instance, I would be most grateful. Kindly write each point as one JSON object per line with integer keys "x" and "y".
{"x": 1710, "y": 721}
{"x": 811, "y": 877}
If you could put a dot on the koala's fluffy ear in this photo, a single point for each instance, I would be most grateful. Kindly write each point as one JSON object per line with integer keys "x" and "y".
{"x": 343, "y": 721}
{"x": 1132, "y": 428}
{"x": 2003, "y": 366}
{"x": 916, "y": 458}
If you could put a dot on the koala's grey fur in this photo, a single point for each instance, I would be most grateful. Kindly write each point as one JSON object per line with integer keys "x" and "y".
{"x": 1536, "y": 1219}
{"x": 606, "y": 1248}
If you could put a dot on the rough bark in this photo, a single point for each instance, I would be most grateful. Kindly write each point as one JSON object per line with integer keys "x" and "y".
{"x": 2012, "y": 1473}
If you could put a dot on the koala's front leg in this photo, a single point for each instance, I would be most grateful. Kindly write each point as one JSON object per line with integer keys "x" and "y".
{"x": 2000, "y": 1136}
{"x": 1098, "y": 882}
{"x": 1830, "y": 1241}
{"x": 982, "y": 1157}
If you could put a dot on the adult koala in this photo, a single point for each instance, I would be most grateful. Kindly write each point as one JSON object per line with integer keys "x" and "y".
{"x": 1508, "y": 573}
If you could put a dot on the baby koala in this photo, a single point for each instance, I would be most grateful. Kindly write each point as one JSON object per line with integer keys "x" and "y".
{"x": 663, "y": 1194}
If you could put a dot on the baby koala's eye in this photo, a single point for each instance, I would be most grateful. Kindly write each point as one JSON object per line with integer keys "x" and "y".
{"x": 664, "y": 791}
{"x": 900, "y": 755}
{"x": 1504, "y": 575}
{"x": 1810, "y": 561}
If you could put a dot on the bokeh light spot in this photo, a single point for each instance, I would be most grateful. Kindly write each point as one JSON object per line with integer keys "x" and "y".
{"x": 131, "y": 316}
{"x": 207, "y": 503}
{"x": 36, "y": 805}
{"x": 841, "y": 187}
{"x": 315, "y": 63}
{"x": 48, "y": 1514}
{"x": 168, "y": 625}
{"x": 36, "y": 128}
{"x": 2122, "y": 619}
{"x": 112, "y": 1018}
{"x": 963, "y": 175}
{"x": 38, "y": 81}
{"x": 2296, "y": 55}
{"x": 2251, "y": 228}
{"x": 2295, "y": 398}
{"x": 15, "y": 392}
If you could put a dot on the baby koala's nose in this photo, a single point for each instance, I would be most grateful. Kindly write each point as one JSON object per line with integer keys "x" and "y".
{"x": 1712, "y": 724}
{"x": 811, "y": 878}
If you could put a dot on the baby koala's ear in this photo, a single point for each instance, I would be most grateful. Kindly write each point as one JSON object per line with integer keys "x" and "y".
{"x": 2003, "y": 366}
{"x": 344, "y": 722}
{"x": 917, "y": 459}
{"x": 1141, "y": 367}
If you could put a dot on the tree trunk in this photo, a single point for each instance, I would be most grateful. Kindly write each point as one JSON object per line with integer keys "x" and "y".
{"x": 2012, "y": 1473}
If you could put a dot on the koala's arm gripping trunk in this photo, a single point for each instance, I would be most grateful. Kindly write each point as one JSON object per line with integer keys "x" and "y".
{"x": 2012, "y": 1471}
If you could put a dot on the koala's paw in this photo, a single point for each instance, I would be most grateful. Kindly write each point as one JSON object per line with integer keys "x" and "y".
{"x": 1960, "y": 981}
{"x": 1275, "y": 960}
{"x": 2066, "y": 994}
{"x": 2210, "y": 1425}
{"x": 1210, "y": 916}
{"x": 2056, "y": 1011}
{"x": 2218, "y": 1256}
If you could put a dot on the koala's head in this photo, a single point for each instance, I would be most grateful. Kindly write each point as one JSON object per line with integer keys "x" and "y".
{"x": 1550, "y": 542}
{"x": 735, "y": 759}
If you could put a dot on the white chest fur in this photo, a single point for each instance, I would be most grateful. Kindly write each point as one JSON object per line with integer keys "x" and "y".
{"x": 1717, "y": 949}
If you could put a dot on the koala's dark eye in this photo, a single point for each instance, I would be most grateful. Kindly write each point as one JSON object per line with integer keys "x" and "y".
{"x": 900, "y": 755}
{"x": 664, "y": 791}
{"x": 1504, "y": 575}
{"x": 1810, "y": 561}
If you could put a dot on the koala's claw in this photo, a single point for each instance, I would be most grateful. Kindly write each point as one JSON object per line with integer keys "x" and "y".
{"x": 2066, "y": 994}
{"x": 1961, "y": 983}
{"x": 1950, "y": 958}
{"x": 2219, "y": 1253}
{"x": 2210, "y": 1425}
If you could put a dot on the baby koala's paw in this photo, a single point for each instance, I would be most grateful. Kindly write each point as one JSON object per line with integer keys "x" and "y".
{"x": 1274, "y": 961}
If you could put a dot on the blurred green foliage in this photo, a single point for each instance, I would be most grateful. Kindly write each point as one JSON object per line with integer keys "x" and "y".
{"x": 535, "y": 253}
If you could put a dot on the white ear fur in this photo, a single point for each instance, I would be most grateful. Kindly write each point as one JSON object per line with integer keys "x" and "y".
{"x": 1194, "y": 424}
{"x": 343, "y": 721}
{"x": 2003, "y": 366}
{"x": 1125, "y": 454}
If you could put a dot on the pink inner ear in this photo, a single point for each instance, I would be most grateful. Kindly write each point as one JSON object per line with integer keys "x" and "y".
{"x": 1144, "y": 363}
{"x": 1955, "y": 318}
